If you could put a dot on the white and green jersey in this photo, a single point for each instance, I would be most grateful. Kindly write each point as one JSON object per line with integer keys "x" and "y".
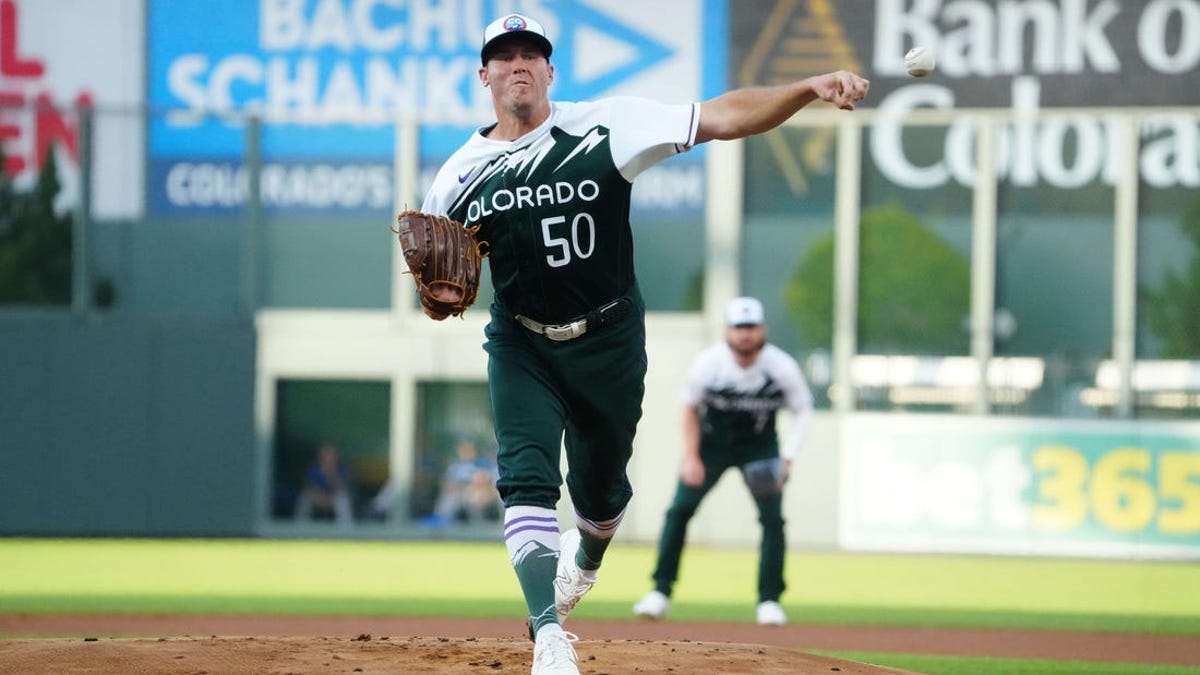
{"x": 738, "y": 405}
{"x": 553, "y": 205}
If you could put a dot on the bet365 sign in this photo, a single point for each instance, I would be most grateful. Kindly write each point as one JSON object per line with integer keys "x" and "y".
{"x": 1016, "y": 486}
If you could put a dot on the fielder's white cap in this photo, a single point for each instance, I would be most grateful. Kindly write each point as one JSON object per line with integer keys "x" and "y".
{"x": 514, "y": 24}
{"x": 744, "y": 311}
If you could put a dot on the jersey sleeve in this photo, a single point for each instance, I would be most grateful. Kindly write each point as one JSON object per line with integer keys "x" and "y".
{"x": 698, "y": 379}
{"x": 448, "y": 184}
{"x": 436, "y": 201}
{"x": 645, "y": 132}
{"x": 799, "y": 402}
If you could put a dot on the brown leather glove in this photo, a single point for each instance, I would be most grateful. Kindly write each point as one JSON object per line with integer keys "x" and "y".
{"x": 444, "y": 258}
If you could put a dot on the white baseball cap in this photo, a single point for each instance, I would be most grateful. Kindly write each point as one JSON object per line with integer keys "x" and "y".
{"x": 744, "y": 311}
{"x": 514, "y": 24}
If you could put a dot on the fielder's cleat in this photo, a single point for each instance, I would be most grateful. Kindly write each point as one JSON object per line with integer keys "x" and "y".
{"x": 770, "y": 613}
{"x": 654, "y": 605}
{"x": 570, "y": 585}
{"x": 554, "y": 654}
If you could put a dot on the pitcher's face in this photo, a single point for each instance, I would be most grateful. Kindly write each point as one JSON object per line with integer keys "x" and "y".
{"x": 518, "y": 74}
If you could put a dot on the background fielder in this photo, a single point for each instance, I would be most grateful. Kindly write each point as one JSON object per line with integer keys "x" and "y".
{"x": 732, "y": 395}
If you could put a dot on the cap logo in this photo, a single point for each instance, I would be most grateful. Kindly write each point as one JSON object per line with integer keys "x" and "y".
{"x": 514, "y": 23}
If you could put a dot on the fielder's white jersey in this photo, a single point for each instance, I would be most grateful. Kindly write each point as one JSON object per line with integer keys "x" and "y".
{"x": 742, "y": 402}
{"x": 553, "y": 205}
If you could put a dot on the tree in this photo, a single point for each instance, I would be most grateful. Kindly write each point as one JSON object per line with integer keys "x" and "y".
{"x": 1173, "y": 310}
{"x": 35, "y": 241}
{"x": 914, "y": 288}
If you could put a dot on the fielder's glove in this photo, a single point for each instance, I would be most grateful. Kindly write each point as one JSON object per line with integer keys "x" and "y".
{"x": 764, "y": 477}
{"x": 444, "y": 258}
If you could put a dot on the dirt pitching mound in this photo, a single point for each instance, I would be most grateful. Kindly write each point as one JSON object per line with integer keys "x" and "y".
{"x": 401, "y": 655}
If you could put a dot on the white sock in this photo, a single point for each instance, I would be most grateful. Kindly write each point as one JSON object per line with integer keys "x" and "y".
{"x": 549, "y": 629}
{"x": 529, "y": 529}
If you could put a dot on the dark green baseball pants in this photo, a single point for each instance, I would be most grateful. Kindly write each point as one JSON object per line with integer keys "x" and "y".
{"x": 772, "y": 547}
{"x": 585, "y": 393}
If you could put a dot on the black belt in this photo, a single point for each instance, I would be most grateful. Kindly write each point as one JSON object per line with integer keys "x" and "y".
{"x": 605, "y": 315}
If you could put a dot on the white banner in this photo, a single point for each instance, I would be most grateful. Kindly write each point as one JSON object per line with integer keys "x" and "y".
{"x": 950, "y": 483}
{"x": 58, "y": 54}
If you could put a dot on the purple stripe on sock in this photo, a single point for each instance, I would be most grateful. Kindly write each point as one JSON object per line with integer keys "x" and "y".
{"x": 510, "y": 534}
{"x": 603, "y": 527}
{"x": 540, "y": 520}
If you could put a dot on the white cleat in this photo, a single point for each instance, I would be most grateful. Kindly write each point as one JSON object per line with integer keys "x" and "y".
{"x": 554, "y": 654}
{"x": 770, "y": 613}
{"x": 570, "y": 584}
{"x": 654, "y": 605}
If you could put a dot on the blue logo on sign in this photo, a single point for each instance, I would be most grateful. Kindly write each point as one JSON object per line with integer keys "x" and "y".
{"x": 640, "y": 53}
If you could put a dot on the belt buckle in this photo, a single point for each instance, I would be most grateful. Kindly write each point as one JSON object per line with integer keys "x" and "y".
{"x": 566, "y": 331}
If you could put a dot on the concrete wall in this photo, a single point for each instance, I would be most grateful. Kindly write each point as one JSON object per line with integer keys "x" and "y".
{"x": 121, "y": 426}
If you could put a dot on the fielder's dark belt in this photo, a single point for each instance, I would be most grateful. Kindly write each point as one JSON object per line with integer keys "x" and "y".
{"x": 596, "y": 319}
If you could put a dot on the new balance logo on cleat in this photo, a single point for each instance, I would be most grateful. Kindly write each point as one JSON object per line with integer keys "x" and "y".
{"x": 570, "y": 585}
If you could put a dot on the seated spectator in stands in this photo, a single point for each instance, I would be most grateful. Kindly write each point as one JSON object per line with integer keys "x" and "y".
{"x": 468, "y": 489}
{"x": 326, "y": 492}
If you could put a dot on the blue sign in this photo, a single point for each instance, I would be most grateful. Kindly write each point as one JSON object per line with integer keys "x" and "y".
{"x": 330, "y": 79}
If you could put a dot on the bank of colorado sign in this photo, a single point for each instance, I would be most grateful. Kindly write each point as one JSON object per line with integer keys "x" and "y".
{"x": 1034, "y": 54}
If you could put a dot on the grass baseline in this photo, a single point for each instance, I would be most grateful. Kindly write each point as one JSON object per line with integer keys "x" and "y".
{"x": 272, "y": 577}
{"x": 593, "y": 609}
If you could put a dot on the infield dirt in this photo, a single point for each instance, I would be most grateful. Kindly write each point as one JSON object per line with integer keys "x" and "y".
{"x": 227, "y": 645}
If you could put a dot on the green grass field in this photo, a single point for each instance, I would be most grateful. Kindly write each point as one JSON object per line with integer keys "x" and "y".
{"x": 454, "y": 579}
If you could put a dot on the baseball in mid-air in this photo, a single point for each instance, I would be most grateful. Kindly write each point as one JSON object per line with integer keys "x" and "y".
{"x": 919, "y": 62}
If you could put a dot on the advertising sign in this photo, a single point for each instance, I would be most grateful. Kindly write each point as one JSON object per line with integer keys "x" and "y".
{"x": 44, "y": 79}
{"x": 1026, "y": 487}
{"x": 1024, "y": 56}
{"x": 331, "y": 78}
